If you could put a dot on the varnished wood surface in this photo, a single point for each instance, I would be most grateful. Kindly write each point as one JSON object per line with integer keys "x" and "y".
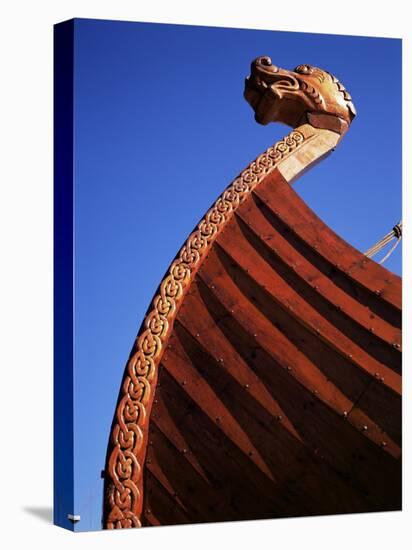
{"x": 279, "y": 393}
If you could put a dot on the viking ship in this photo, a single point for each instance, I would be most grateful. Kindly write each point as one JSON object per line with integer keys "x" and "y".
{"x": 265, "y": 380}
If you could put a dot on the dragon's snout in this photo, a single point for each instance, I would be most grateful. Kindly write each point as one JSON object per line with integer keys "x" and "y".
{"x": 264, "y": 62}
{"x": 263, "y": 69}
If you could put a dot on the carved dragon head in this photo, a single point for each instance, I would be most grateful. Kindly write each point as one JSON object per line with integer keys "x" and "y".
{"x": 306, "y": 94}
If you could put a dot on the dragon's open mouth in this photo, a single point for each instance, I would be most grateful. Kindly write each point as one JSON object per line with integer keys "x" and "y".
{"x": 266, "y": 85}
{"x": 255, "y": 94}
{"x": 268, "y": 99}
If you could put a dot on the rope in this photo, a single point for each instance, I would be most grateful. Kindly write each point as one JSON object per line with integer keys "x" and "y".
{"x": 391, "y": 250}
{"x": 396, "y": 233}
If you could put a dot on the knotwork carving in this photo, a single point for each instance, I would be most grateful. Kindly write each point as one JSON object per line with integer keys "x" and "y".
{"x": 127, "y": 446}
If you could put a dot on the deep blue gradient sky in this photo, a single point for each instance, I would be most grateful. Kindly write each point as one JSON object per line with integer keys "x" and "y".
{"x": 161, "y": 128}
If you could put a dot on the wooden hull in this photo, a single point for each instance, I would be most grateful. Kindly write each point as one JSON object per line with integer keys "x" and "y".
{"x": 279, "y": 390}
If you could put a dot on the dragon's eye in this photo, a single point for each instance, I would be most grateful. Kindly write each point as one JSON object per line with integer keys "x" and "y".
{"x": 304, "y": 69}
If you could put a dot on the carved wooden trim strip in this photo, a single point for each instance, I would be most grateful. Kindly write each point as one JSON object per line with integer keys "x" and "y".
{"x": 127, "y": 445}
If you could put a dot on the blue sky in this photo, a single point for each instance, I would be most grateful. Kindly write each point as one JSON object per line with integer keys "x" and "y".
{"x": 161, "y": 128}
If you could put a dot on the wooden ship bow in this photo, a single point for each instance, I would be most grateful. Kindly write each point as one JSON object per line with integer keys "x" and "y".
{"x": 265, "y": 380}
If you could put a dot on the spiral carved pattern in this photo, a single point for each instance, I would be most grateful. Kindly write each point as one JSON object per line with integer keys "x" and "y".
{"x": 126, "y": 454}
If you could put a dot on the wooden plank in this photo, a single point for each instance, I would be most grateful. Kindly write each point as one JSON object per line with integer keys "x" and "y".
{"x": 342, "y": 308}
{"x": 375, "y": 284}
{"x": 253, "y": 274}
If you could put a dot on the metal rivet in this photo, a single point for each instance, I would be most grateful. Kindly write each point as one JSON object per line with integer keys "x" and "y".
{"x": 377, "y": 292}
{"x": 246, "y": 386}
{"x": 184, "y": 383}
{"x": 221, "y": 360}
{"x": 148, "y": 511}
{"x": 350, "y": 356}
{"x": 377, "y": 375}
{"x": 279, "y": 417}
{"x": 383, "y": 443}
{"x": 371, "y": 329}
{"x": 345, "y": 414}
{"x": 184, "y": 451}
{"x": 289, "y": 368}
{"x": 315, "y": 392}
{"x": 364, "y": 428}
{"x": 155, "y": 401}
{"x": 255, "y": 335}
{"x": 197, "y": 335}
